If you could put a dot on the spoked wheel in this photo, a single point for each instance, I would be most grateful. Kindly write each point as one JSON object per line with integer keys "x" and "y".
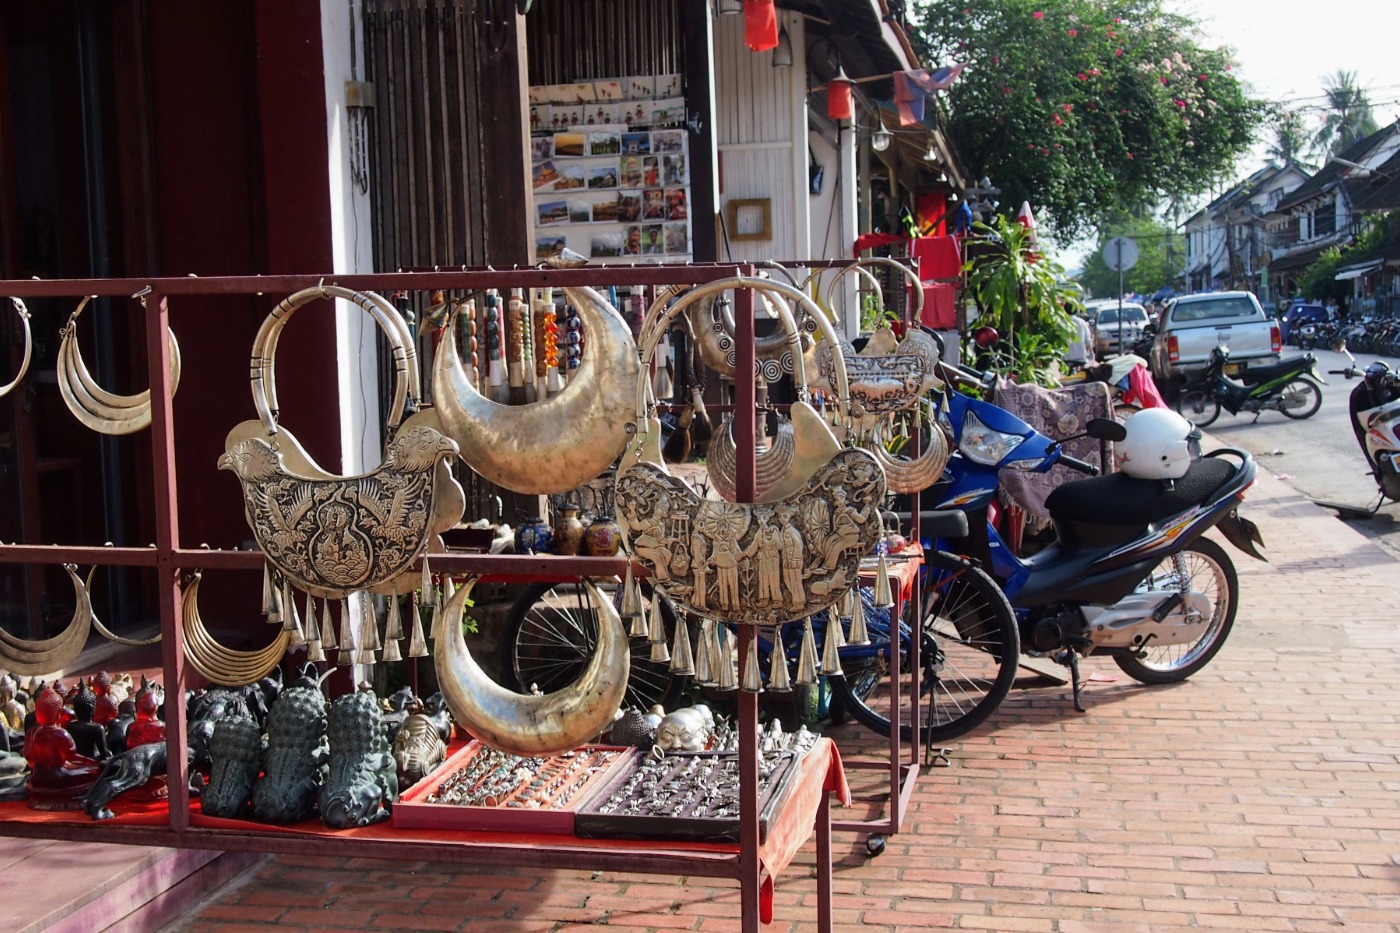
{"x": 969, "y": 650}
{"x": 554, "y": 630}
{"x": 1198, "y": 407}
{"x": 1299, "y": 399}
{"x": 1205, "y": 570}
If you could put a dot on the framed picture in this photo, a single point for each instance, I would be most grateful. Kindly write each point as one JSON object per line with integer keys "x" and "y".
{"x": 653, "y": 240}
{"x": 677, "y": 238}
{"x": 547, "y": 247}
{"x": 569, "y": 145}
{"x": 632, "y": 241}
{"x": 608, "y": 90}
{"x": 629, "y": 206}
{"x": 631, "y": 176}
{"x": 570, "y": 177}
{"x": 668, "y": 85}
{"x": 636, "y": 143}
{"x": 604, "y": 144}
{"x": 606, "y": 210}
{"x": 750, "y": 219}
{"x": 580, "y": 210}
{"x": 653, "y": 204}
{"x": 668, "y": 140}
{"x": 552, "y": 212}
{"x": 599, "y": 114}
{"x": 539, "y": 118}
{"x": 603, "y": 176}
{"x": 640, "y": 86}
{"x": 669, "y": 112}
{"x": 541, "y": 148}
{"x": 544, "y": 175}
{"x": 605, "y": 245}
{"x": 676, "y": 205}
{"x": 673, "y": 171}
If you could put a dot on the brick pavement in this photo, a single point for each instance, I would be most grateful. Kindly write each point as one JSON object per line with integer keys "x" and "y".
{"x": 1258, "y": 796}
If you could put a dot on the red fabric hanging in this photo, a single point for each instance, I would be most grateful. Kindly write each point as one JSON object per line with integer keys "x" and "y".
{"x": 760, "y": 25}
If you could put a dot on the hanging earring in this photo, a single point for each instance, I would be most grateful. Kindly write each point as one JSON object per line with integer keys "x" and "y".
{"x": 753, "y": 672}
{"x": 807, "y": 656}
{"x": 682, "y": 662}
{"x": 778, "y": 679}
{"x": 860, "y": 634}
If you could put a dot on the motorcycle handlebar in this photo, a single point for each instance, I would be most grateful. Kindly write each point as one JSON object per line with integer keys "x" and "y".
{"x": 1075, "y": 463}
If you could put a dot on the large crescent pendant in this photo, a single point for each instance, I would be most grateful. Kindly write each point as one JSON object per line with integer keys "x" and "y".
{"x": 97, "y": 408}
{"x": 227, "y": 667}
{"x": 762, "y": 564}
{"x": 29, "y": 658}
{"x": 533, "y": 725}
{"x": 558, "y": 444}
{"x": 23, "y": 313}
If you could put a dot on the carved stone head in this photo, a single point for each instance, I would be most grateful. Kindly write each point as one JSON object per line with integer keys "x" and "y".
{"x": 685, "y": 730}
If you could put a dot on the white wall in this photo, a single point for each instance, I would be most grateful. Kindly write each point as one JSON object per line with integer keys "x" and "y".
{"x": 351, "y": 241}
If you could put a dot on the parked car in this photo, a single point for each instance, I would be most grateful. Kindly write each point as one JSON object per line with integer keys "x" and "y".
{"x": 1106, "y": 331}
{"x": 1194, "y": 325}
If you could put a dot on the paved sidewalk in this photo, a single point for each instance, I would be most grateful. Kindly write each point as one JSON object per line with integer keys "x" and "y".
{"x": 1259, "y": 796}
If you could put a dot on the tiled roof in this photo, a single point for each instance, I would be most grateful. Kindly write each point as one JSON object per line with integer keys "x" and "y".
{"x": 1331, "y": 171}
{"x": 1380, "y": 191}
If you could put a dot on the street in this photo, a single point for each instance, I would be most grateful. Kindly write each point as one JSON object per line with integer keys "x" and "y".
{"x": 1318, "y": 456}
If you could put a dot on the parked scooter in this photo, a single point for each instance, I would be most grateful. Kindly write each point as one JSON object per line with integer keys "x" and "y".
{"x": 1375, "y": 419}
{"x": 1129, "y": 574}
{"x": 1293, "y": 388}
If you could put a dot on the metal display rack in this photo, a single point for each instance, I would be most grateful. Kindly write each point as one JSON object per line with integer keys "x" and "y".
{"x": 170, "y": 556}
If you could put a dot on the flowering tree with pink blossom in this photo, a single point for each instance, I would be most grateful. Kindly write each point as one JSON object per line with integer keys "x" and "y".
{"x": 1084, "y": 107}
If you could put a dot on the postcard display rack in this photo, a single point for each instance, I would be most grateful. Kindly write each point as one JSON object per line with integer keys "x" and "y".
{"x": 751, "y": 863}
{"x": 610, "y": 167}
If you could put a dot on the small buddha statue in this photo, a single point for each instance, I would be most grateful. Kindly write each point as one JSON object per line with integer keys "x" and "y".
{"x": 147, "y": 728}
{"x": 89, "y": 737}
{"x": 10, "y": 709}
{"x": 106, "y": 706}
{"x": 59, "y": 777}
{"x": 116, "y": 729}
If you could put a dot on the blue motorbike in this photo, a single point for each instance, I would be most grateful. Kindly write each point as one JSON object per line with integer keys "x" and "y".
{"x": 1129, "y": 574}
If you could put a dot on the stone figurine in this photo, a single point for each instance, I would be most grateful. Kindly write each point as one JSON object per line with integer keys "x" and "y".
{"x": 59, "y": 777}
{"x": 296, "y": 761}
{"x": 236, "y": 746}
{"x": 363, "y": 782}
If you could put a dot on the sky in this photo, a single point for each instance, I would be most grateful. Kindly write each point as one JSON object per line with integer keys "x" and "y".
{"x": 1284, "y": 49}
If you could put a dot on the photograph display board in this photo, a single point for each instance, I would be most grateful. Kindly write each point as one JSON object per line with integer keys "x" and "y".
{"x": 610, "y": 165}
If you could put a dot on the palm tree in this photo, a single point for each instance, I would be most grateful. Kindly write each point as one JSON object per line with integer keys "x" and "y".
{"x": 1348, "y": 113}
{"x": 1290, "y": 138}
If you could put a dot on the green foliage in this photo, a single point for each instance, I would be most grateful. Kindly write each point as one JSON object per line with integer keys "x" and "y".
{"x": 1087, "y": 106}
{"x": 1154, "y": 267}
{"x": 1022, "y": 293}
{"x": 1291, "y": 142}
{"x": 1319, "y": 280}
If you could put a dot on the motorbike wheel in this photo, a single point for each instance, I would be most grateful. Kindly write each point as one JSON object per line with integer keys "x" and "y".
{"x": 1204, "y": 567}
{"x": 969, "y": 653}
{"x": 551, "y": 634}
{"x": 1197, "y": 406}
{"x": 1299, "y": 399}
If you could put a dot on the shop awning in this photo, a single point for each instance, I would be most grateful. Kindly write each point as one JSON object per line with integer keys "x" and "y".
{"x": 1357, "y": 271}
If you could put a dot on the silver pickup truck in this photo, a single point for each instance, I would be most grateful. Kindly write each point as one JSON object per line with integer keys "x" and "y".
{"x": 1193, "y": 325}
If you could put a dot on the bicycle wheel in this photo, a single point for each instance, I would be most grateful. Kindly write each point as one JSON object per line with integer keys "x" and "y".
{"x": 969, "y": 650}
{"x": 553, "y": 629}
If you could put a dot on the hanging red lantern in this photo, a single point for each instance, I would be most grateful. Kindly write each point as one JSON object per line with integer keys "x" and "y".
{"x": 760, "y": 25}
{"x": 838, "y": 96}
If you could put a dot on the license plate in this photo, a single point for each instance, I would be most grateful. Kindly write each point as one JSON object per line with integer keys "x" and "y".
{"x": 1232, "y": 369}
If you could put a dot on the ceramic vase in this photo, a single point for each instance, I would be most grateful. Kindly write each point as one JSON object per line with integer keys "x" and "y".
{"x": 568, "y": 531}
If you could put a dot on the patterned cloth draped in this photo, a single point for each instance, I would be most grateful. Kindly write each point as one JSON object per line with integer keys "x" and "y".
{"x": 1056, "y": 413}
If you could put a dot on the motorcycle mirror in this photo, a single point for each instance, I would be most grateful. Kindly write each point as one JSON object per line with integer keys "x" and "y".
{"x": 1105, "y": 429}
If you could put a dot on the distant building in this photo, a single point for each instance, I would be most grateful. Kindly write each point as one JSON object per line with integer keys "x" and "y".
{"x": 1227, "y": 240}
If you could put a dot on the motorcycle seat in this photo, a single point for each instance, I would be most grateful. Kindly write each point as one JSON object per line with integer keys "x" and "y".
{"x": 1127, "y": 502}
{"x": 1257, "y": 374}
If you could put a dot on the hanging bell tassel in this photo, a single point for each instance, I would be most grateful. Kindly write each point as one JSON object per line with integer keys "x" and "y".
{"x": 369, "y": 620}
{"x": 393, "y": 625}
{"x": 313, "y": 631}
{"x": 831, "y": 649}
{"x": 315, "y": 651}
{"x": 275, "y": 613}
{"x": 417, "y": 644}
{"x": 860, "y": 635}
{"x": 291, "y": 619}
{"x": 631, "y": 597}
{"x": 807, "y": 657}
{"x": 656, "y": 634}
{"x": 269, "y": 597}
{"x": 704, "y": 666}
{"x": 778, "y": 679}
{"x": 660, "y": 654}
{"x": 716, "y": 651}
{"x": 884, "y": 593}
{"x": 845, "y": 605}
{"x": 429, "y": 594}
{"x": 834, "y": 632}
{"x": 391, "y": 650}
{"x": 327, "y": 626}
{"x": 728, "y": 668}
{"x": 347, "y": 635}
{"x": 682, "y": 661}
{"x": 752, "y": 673}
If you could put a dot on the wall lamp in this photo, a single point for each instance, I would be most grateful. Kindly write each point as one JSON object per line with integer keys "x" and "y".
{"x": 782, "y": 55}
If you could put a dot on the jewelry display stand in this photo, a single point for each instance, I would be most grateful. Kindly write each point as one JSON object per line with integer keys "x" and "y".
{"x": 178, "y": 824}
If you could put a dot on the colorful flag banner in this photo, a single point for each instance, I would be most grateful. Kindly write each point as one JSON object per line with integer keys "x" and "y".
{"x": 913, "y": 88}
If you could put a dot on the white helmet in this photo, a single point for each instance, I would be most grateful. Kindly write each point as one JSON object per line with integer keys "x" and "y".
{"x": 1158, "y": 446}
